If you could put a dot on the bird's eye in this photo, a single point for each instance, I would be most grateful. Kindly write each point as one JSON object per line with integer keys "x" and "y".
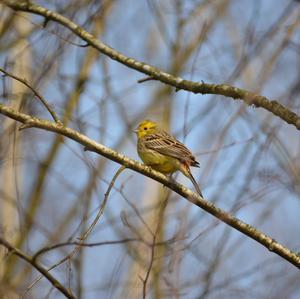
{"x": 145, "y": 128}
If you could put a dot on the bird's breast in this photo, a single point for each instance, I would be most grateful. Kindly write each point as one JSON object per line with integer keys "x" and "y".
{"x": 157, "y": 161}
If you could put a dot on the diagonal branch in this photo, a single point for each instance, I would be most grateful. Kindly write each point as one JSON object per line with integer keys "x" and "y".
{"x": 271, "y": 244}
{"x": 250, "y": 98}
{"x": 35, "y": 92}
{"x": 37, "y": 266}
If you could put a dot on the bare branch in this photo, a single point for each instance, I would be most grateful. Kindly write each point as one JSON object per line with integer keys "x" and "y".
{"x": 158, "y": 227}
{"x": 192, "y": 197}
{"x": 101, "y": 210}
{"x": 250, "y": 98}
{"x": 35, "y": 92}
{"x": 30, "y": 260}
{"x": 81, "y": 244}
{"x": 69, "y": 256}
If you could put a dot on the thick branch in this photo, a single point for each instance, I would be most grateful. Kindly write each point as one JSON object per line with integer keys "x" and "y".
{"x": 194, "y": 198}
{"x": 248, "y": 97}
{"x": 37, "y": 266}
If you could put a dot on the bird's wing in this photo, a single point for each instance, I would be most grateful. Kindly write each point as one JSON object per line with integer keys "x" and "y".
{"x": 166, "y": 144}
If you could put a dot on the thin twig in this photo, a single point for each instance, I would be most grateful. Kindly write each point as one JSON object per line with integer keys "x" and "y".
{"x": 136, "y": 211}
{"x": 86, "y": 234}
{"x": 77, "y": 243}
{"x": 145, "y": 79}
{"x": 160, "y": 217}
{"x": 100, "y": 212}
{"x": 35, "y": 92}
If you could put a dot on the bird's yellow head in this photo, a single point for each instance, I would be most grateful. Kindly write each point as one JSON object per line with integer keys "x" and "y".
{"x": 145, "y": 127}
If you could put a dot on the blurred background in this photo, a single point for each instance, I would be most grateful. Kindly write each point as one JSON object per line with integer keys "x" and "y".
{"x": 51, "y": 189}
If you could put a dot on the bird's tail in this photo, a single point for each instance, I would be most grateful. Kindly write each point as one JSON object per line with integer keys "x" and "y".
{"x": 195, "y": 183}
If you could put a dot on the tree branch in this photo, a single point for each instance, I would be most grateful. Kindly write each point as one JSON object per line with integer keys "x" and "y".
{"x": 192, "y": 197}
{"x": 248, "y": 97}
{"x": 37, "y": 266}
{"x": 35, "y": 92}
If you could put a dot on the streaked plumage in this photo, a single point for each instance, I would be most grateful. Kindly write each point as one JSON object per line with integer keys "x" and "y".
{"x": 163, "y": 152}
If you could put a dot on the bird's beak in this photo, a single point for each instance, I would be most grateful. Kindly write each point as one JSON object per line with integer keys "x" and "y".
{"x": 135, "y": 130}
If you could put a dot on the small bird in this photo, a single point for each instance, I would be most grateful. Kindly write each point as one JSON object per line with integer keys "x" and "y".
{"x": 163, "y": 152}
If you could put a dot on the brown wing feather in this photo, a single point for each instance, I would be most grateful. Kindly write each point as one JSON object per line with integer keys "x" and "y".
{"x": 167, "y": 145}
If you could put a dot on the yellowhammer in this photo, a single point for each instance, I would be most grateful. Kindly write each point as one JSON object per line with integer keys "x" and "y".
{"x": 163, "y": 152}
